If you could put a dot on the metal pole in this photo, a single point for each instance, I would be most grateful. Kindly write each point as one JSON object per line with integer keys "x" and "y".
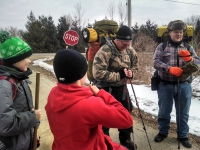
{"x": 129, "y": 13}
{"x": 140, "y": 112}
{"x": 178, "y": 98}
{"x": 37, "y": 89}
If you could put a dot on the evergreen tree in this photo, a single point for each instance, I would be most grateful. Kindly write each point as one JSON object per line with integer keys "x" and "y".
{"x": 135, "y": 28}
{"x": 62, "y": 27}
{"x": 197, "y": 28}
{"x": 31, "y": 19}
{"x": 81, "y": 45}
{"x": 35, "y": 35}
{"x": 150, "y": 29}
{"x": 197, "y": 33}
{"x": 51, "y": 40}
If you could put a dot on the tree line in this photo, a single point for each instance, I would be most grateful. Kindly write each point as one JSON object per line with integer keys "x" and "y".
{"x": 46, "y": 37}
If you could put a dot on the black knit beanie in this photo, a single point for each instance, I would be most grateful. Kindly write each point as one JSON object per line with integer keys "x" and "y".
{"x": 124, "y": 33}
{"x": 69, "y": 66}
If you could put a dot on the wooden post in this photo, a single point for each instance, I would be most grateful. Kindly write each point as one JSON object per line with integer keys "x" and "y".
{"x": 37, "y": 89}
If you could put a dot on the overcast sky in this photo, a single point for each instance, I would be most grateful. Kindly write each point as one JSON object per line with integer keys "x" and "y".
{"x": 14, "y": 12}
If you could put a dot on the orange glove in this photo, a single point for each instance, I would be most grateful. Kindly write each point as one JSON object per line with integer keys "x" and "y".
{"x": 185, "y": 54}
{"x": 175, "y": 71}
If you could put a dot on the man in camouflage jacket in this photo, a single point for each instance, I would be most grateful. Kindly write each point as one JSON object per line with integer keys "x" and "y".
{"x": 112, "y": 65}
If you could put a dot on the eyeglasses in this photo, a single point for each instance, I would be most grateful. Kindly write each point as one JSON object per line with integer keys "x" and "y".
{"x": 125, "y": 43}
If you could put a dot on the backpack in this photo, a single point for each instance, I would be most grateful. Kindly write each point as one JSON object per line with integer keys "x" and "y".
{"x": 162, "y": 34}
{"x": 100, "y": 34}
{"x": 102, "y": 29}
{"x": 92, "y": 50}
{"x": 13, "y": 84}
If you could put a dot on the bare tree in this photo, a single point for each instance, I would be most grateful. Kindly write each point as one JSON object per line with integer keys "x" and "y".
{"x": 192, "y": 20}
{"x": 111, "y": 10}
{"x": 14, "y": 31}
{"x": 122, "y": 13}
{"x": 78, "y": 15}
{"x": 69, "y": 20}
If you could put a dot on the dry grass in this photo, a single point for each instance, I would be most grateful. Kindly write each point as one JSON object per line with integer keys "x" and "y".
{"x": 145, "y": 68}
{"x": 145, "y": 48}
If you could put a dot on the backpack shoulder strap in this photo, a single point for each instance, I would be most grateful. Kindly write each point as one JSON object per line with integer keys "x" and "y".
{"x": 13, "y": 84}
{"x": 187, "y": 46}
{"x": 185, "y": 43}
{"x": 112, "y": 51}
{"x": 129, "y": 53}
{"x": 164, "y": 45}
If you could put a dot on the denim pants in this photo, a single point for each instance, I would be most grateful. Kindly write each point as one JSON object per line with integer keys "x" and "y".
{"x": 167, "y": 95}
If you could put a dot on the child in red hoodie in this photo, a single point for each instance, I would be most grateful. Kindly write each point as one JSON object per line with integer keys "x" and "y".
{"x": 76, "y": 113}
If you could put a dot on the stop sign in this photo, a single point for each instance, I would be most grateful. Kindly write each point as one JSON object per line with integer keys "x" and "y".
{"x": 71, "y": 37}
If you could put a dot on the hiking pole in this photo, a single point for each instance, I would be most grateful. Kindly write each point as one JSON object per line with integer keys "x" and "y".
{"x": 140, "y": 113}
{"x": 36, "y": 107}
{"x": 178, "y": 98}
{"x": 129, "y": 109}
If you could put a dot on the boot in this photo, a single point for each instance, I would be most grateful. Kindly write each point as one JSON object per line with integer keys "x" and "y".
{"x": 185, "y": 142}
{"x": 129, "y": 144}
{"x": 159, "y": 137}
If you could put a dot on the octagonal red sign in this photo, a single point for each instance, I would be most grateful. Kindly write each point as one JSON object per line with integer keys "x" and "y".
{"x": 71, "y": 37}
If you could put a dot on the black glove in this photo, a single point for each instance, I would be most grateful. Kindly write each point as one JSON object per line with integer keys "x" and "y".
{"x": 122, "y": 73}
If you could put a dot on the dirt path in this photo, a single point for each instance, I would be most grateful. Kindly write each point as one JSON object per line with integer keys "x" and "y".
{"x": 47, "y": 81}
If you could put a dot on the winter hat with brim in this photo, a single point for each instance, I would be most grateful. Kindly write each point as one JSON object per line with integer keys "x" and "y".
{"x": 13, "y": 49}
{"x": 124, "y": 33}
{"x": 176, "y": 25}
{"x": 69, "y": 66}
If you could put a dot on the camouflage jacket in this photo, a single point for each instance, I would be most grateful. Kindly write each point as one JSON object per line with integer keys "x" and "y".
{"x": 107, "y": 74}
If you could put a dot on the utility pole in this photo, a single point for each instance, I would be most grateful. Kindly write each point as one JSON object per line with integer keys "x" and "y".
{"x": 129, "y": 12}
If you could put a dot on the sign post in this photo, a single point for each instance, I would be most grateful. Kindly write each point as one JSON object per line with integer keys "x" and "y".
{"x": 71, "y": 37}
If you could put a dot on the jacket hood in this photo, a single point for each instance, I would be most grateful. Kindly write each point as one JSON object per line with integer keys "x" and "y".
{"x": 64, "y": 96}
{"x": 12, "y": 71}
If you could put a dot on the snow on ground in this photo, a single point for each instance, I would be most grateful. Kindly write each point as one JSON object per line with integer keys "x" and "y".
{"x": 148, "y": 99}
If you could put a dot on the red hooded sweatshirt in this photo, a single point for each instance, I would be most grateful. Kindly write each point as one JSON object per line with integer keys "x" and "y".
{"x": 76, "y": 117}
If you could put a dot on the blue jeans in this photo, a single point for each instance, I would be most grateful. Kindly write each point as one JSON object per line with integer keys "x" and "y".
{"x": 167, "y": 93}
